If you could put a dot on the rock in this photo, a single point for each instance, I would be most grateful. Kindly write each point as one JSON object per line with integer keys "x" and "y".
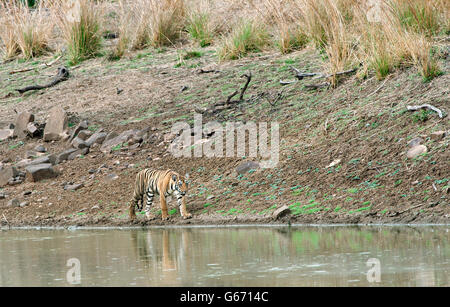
{"x": 438, "y": 135}
{"x": 280, "y": 212}
{"x": 40, "y": 148}
{"x": 111, "y": 135}
{"x": 335, "y": 162}
{"x": 77, "y": 153}
{"x": 23, "y": 204}
{"x": 416, "y": 151}
{"x": 6, "y": 173}
{"x": 23, "y": 163}
{"x": 73, "y": 187}
{"x": 246, "y": 166}
{"x": 30, "y": 154}
{"x": 6, "y": 134}
{"x": 415, "y": 141}
{"x": 40, "y": 160}
{"x": 111, "y": 177}
{"x": 85, "y": 134}
{"x": 13, "y": 203}
{"x": 97, "y": 138}
{"x": 2, "y": 195}
{"x": 79, "y": 143}
{"x": 64, "y": 155}
{"x": 81, "y": 126}
{"x": 95, "y": 207}
{"x": 40, "y": 172}
{"x": 109, "y": 144}
{"x": 32, "y": 129}
{"x": 57, "y": 124}
{"x": 20, "y": 125}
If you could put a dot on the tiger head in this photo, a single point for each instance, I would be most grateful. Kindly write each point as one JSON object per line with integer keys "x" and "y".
{"x": 180, "y": 183}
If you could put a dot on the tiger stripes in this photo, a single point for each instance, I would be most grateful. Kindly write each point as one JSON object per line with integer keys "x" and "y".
{"x": 162, "y": 183}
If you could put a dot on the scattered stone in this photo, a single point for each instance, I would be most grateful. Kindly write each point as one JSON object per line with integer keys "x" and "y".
{"x": 81, "y": 126}
{"x": 335, "y": 162}
{"x": 109, "y": 144}
{"x": 64, "y": 155}
{"x": 95, "y": 207}
{"x": 23, "y": 204}
{"x": 85, "y": 134}
{"x": 280, "y": 212}
{"x": 13, "y": 203}
{"x": 79, "y": 143}
{"x": 6, "y": 173}
{"x": 97, "y": 138}
{"x": 2, "y": 195}
{"x": 20, "y": 125}
{"x": 111, "y": 177}
{"x": 57, "y": 124}
{"x": 92, "y": 171}
{"x": 44, "y": 159}
{"x": 438, "y": 135}
{"x": 77, "y": 153}
{"x": 32, "y": 130}
{"x": 415, "y": 141}
{"x": 6, "y": 134}
{"x": 40, "y": 172}
{"x": 73, "y": 187}
{"x": 246, "y": 166}
{"x": 40, "y": 148}
{"x": 416, "y": 151}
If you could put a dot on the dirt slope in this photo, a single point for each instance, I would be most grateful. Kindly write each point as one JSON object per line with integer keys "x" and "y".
{"x": 362, "y": 126}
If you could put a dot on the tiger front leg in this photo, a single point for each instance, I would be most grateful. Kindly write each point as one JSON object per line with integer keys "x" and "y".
{"x": 164, "y": 211}
{"x": 181, "y": 200}
{"x": 148, "y": 215}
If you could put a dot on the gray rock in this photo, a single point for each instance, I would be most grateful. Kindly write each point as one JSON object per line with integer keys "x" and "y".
{"x": 40, "y": 172}
{"x": 280, "y": 212}
{"x": 415, "y": 141}
{"x": 416, "y": 151}
{"x": 13, "y": 203}
{"x": 111, "y": 177}
{"x": 85, "y": 134}
{"x": 23, "y": 204}
{"x": 64, "y": 155}
{"x": 122, "y": 138}
{"x": 40, "y": 148}
{"x": 246, "y": 166}
{"x": 20, "y": 125}
{"x": 6, "y": 173}
{"x": 73, "y": 187}
{"x": 77, "y": 153}
{"x": 57, "y": 124}
{"x": 32, "y": 129}
{"x": 81, "y": 126}
{"x": 44, "y": 159}
{"x": 6, "y": 134}
{"x": 79, "y": 143}
{"x": 97, "y": 138}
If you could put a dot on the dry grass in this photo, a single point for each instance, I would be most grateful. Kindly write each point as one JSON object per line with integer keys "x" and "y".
{"x": 24, "y": 31}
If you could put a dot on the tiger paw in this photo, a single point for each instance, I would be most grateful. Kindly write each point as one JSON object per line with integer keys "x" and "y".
{"x": 165, "y": 218}
{"x": 150, "y": 217}
{"x": 187, "y": 216}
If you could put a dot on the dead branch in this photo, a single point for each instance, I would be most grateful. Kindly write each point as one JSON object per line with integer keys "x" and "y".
{"x": 285, "y": 82}
{"x": 33, "y": 68}
{"x": 300, "y": 75}
{"x": 63, "y": 74}
{"x": 249, "y": 78}
{"x": 428, "y": 106}
{"x": 207, "y": 71}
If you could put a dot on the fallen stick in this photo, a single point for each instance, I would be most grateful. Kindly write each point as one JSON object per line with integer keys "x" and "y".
{"x": 63, "y": 74}
{"x": 300, "y": 75}
{"x": 33, "y": 68}
{"x": 428, "y": 106}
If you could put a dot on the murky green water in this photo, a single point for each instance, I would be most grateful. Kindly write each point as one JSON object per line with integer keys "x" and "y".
{"x": 234, "y": 256}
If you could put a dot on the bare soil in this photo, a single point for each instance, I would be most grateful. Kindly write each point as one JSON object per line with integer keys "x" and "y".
{"x": 361, "y": 122}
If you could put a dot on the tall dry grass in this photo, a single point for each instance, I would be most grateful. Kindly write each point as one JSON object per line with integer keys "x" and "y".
{"x": 23, "y": 30}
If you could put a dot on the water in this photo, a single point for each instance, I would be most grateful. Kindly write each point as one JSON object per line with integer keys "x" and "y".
{"x": 228, "y": 256}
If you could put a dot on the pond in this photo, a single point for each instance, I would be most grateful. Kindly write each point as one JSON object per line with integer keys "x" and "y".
{"x": 241, "y": 256}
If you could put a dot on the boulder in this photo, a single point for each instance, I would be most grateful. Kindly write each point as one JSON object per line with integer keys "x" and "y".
{"x": 6, "y": 173}
{"x": 280, "y": 212}
{"x": 97, "y": 138}
{"x": 246, "y": 166}
{"x": 81, "y": 126}
{"x": 6, "y": 134}
{"x": 416, "y": 151}
{"x": 109, "y": 144}
{"x": 64, "y": 155}
{"x": 79, "y": 143}
{"x": 57, "y": 125}
{"x": 85, "y": 134}
{"x": 21, "y": 123}
{"x": 438, "y": 135}
{"x": 40, "y": 172}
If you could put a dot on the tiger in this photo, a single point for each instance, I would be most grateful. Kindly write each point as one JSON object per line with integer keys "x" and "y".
{"x": 164, "y": 183}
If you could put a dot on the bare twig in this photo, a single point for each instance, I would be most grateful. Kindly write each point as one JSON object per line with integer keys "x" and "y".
{"x": 63, "y": 74}
{"x": 249, "y": 78}
{"x": 285, "y": 82}
{"x": 231, "y": 96}
{"x": 33, "y": 68}
{"x": 428, "y": 106}
{"x": 300, "y": 75}
{"x": 379, "y": 88}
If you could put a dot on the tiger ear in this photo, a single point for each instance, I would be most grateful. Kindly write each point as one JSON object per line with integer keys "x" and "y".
{"x": 174, "y": 177}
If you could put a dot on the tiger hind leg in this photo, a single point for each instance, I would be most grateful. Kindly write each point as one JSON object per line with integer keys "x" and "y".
{"x": 132, "y": 207}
